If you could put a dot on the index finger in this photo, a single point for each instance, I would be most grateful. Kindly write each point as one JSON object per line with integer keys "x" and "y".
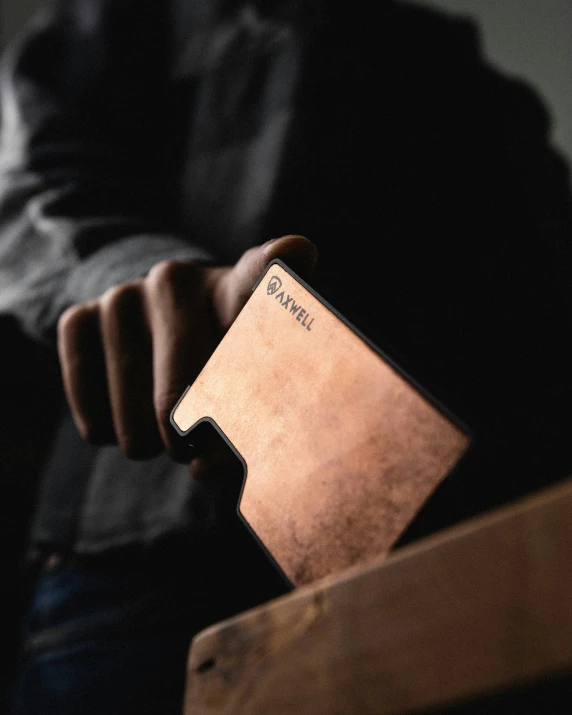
{"x": 183, "y": 337}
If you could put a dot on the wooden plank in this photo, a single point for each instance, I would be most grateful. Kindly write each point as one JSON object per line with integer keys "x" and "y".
{"x": 480, "y": 607}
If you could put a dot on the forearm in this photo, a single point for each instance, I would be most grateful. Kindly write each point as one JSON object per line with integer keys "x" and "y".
{"x": 77, "y": 207}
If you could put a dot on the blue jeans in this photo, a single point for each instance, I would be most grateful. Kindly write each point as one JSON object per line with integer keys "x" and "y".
{"x": 105, "y": 639}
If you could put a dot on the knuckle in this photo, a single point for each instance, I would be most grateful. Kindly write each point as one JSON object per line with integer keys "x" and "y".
{"x": 169, "y": 273}
{"x": 163, "y": 272}
{"x": 73, "y": 317}
{"x": 124, "y": 298}
{"x": 74, "y": 323}
{"x": 118, "y": 293}
{"x": 110, "y": 298}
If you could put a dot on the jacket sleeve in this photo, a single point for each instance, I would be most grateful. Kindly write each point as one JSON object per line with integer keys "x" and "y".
{"x": 80, "y": 205}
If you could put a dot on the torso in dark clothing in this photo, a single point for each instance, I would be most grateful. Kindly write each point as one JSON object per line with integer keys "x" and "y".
{"x": 386, "y": 133}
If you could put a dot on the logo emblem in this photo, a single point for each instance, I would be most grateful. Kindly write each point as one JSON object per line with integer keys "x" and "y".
{"x": 274, "y": 285}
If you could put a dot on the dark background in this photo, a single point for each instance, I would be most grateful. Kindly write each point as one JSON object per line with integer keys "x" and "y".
{"x": 528, "y": 38}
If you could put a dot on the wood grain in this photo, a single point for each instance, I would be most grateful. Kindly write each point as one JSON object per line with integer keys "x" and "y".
{"x": 341, "y": 450}
{"x": 478, "y": 608}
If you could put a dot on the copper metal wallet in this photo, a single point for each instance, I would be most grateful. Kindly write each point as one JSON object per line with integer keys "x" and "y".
{"x": 340, "y": 449}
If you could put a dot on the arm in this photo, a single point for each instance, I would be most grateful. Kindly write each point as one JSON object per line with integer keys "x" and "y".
{"x": 84, "y": 243}
{"x": 77, "y": 181}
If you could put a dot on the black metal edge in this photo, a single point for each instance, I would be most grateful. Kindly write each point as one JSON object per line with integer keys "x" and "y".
{"x": 172, "y": 415}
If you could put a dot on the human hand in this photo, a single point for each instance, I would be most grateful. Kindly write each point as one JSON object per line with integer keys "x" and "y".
{"x": 127, "y": 357}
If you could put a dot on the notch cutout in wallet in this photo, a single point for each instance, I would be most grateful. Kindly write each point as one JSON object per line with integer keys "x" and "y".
{"x": 340, "y": 450}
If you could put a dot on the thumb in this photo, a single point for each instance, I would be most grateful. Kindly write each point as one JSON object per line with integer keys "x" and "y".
{"x": 297, "y": 252}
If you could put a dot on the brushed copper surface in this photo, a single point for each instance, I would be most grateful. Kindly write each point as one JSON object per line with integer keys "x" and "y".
{"x": 341, "y": 450}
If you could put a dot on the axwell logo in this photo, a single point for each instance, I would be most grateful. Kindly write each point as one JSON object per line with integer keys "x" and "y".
{"x": 274, "y": 284}
{"x": 288, "y": 303}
